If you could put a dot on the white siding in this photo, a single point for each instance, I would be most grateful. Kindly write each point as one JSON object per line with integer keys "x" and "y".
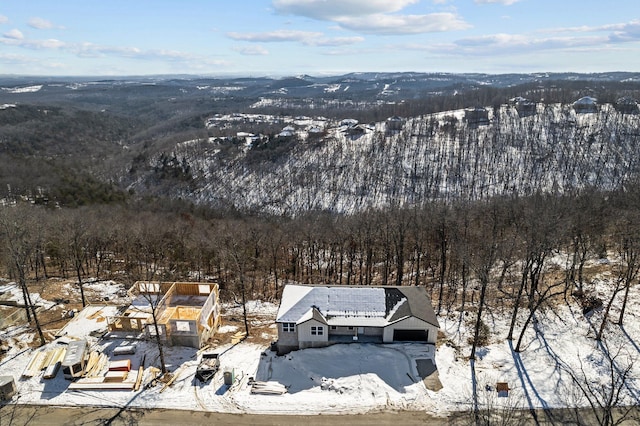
{"x": 304, "y": 332}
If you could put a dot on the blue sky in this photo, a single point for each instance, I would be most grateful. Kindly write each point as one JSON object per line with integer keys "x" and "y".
{"x": 317, "y": 37}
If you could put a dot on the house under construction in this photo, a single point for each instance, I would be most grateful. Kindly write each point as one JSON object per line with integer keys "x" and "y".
{"x": 188, "y": 313}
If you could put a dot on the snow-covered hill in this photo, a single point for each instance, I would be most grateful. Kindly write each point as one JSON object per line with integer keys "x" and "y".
{"x": 433, "y": 157}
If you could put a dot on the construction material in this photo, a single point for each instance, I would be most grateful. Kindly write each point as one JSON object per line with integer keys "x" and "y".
{"x": 115, "y": 376}
{"x": 173, "y": 378}
{"x": 51, "y": 371}
{"x": 36, "y": 364}
{"x": 96, "y": 364}
{"x": 139, "y": 378}
{"x": 124, "y": 350}
{"x": 80, "y": 385}
{"x": 238, "y": 337}
{"x": 120, "y": 365}
{"x": 268, "y": 388}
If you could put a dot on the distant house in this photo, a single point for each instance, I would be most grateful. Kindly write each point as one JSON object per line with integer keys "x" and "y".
{"x": 525, "y": 107}
{"x": 394, "y": 124}
{"x": 477, "y": 116}
{"x": 627, "y": 105}
{"x": 585, "y": 105}
{"x": 317, "y": 316}
{"x": 349, "y": 122}
{"x": 287, "y": 132}
{"x": 188, "y": 312}
{"x": 356, "y": 130}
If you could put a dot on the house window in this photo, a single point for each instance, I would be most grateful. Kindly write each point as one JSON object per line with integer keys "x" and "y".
{"x": 350, "y": 328}
{"x": 333, "y": 327}
{"x": 288, "y": 327}
{"x": 317, "y": 331}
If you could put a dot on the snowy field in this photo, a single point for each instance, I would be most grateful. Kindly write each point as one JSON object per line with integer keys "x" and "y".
{"x": 360, "y": 378}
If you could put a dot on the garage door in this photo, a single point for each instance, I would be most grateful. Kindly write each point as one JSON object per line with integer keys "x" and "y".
{"x": 410, "y": 335}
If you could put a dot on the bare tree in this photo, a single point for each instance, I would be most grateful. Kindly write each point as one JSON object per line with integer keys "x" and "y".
{"x": 628, "y": 269}
{"x": 22, "y": 233}
{"x": 606, "y": 397}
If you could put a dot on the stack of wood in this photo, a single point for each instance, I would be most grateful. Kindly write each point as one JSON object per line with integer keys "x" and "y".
{"x": 53, "y": 362}
{"x": 120, "y": 365}
{"x": 268, "y": 388}
{"x": 95, "y": 365}
{"x": 117, "y": 377}
{"x": 35, "y": 364}
{"x": 238, "y": 337}
{"x": 170, "y": 378}
{"x": 45, "y": 360}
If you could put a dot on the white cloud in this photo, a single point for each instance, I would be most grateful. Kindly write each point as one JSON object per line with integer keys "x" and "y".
{"x": 404, "y": 24}
{"x": 335, "y": 41}
{"x": 621, "y": 32}
{"x": 372, "y": 16}
{"x": 14, "y": 34}
{"x": 506, "y": 44}
{"x": 41, "y": 24}
{"x": 251, "y": 50}
{"x": 505, "y": 2}
{"x": 583, "y": 38}
{"x": 17, "y": 59}
{"x": 275, "y": 36}
{"x": 331, "y": 9}
{"x": 307, "y": 38}
{"x": 3, "y": 19}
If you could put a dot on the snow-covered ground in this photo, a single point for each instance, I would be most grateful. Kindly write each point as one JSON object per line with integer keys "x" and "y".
{"x": 359, "y": 378}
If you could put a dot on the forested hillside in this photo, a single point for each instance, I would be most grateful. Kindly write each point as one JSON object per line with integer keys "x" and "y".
{"x": 436, "y": 157}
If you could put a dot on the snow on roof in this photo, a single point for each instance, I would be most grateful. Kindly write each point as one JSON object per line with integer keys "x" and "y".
{"x": 355, "y": 306}
{"x": 332, "y": 302}
{"x": 586, "y": 100}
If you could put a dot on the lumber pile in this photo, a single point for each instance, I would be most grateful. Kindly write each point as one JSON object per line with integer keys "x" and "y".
{"x": 171, "y": 378}
{"x": 238, "y": 337}
{"x": 53, "y": 361}
{"x": 35, "y": 365}
{"x": 82, "y": 384}
{"x": 120, "y": 365}
{"x": 44, "y": 360}
{"x": 268, "y": 388}
{"x": 96, "y": 364}
{"x": 115, "y": 376}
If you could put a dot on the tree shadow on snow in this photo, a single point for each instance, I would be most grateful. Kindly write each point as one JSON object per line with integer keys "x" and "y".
{"x": 629, "y": 338}
{"x": 527, "y": 385}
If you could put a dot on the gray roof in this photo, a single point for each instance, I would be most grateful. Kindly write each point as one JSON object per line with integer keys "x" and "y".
{"x": 377, "y": 305}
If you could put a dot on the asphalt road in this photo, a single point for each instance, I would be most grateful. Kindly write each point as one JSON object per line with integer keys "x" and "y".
{"x": 19, "y": 415}
{"x": 36, "y": 415}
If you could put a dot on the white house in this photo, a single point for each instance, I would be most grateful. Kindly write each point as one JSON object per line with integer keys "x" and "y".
{"x": 317, "y": 316}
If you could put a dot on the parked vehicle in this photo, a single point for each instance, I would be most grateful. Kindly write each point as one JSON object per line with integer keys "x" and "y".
{"x": 208, "y": 366}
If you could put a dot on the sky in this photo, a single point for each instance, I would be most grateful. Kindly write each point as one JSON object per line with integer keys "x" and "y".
{"x": 316, "y": 37}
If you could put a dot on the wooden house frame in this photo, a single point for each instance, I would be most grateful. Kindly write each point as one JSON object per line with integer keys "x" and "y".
{"x": 188, "y": 313}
